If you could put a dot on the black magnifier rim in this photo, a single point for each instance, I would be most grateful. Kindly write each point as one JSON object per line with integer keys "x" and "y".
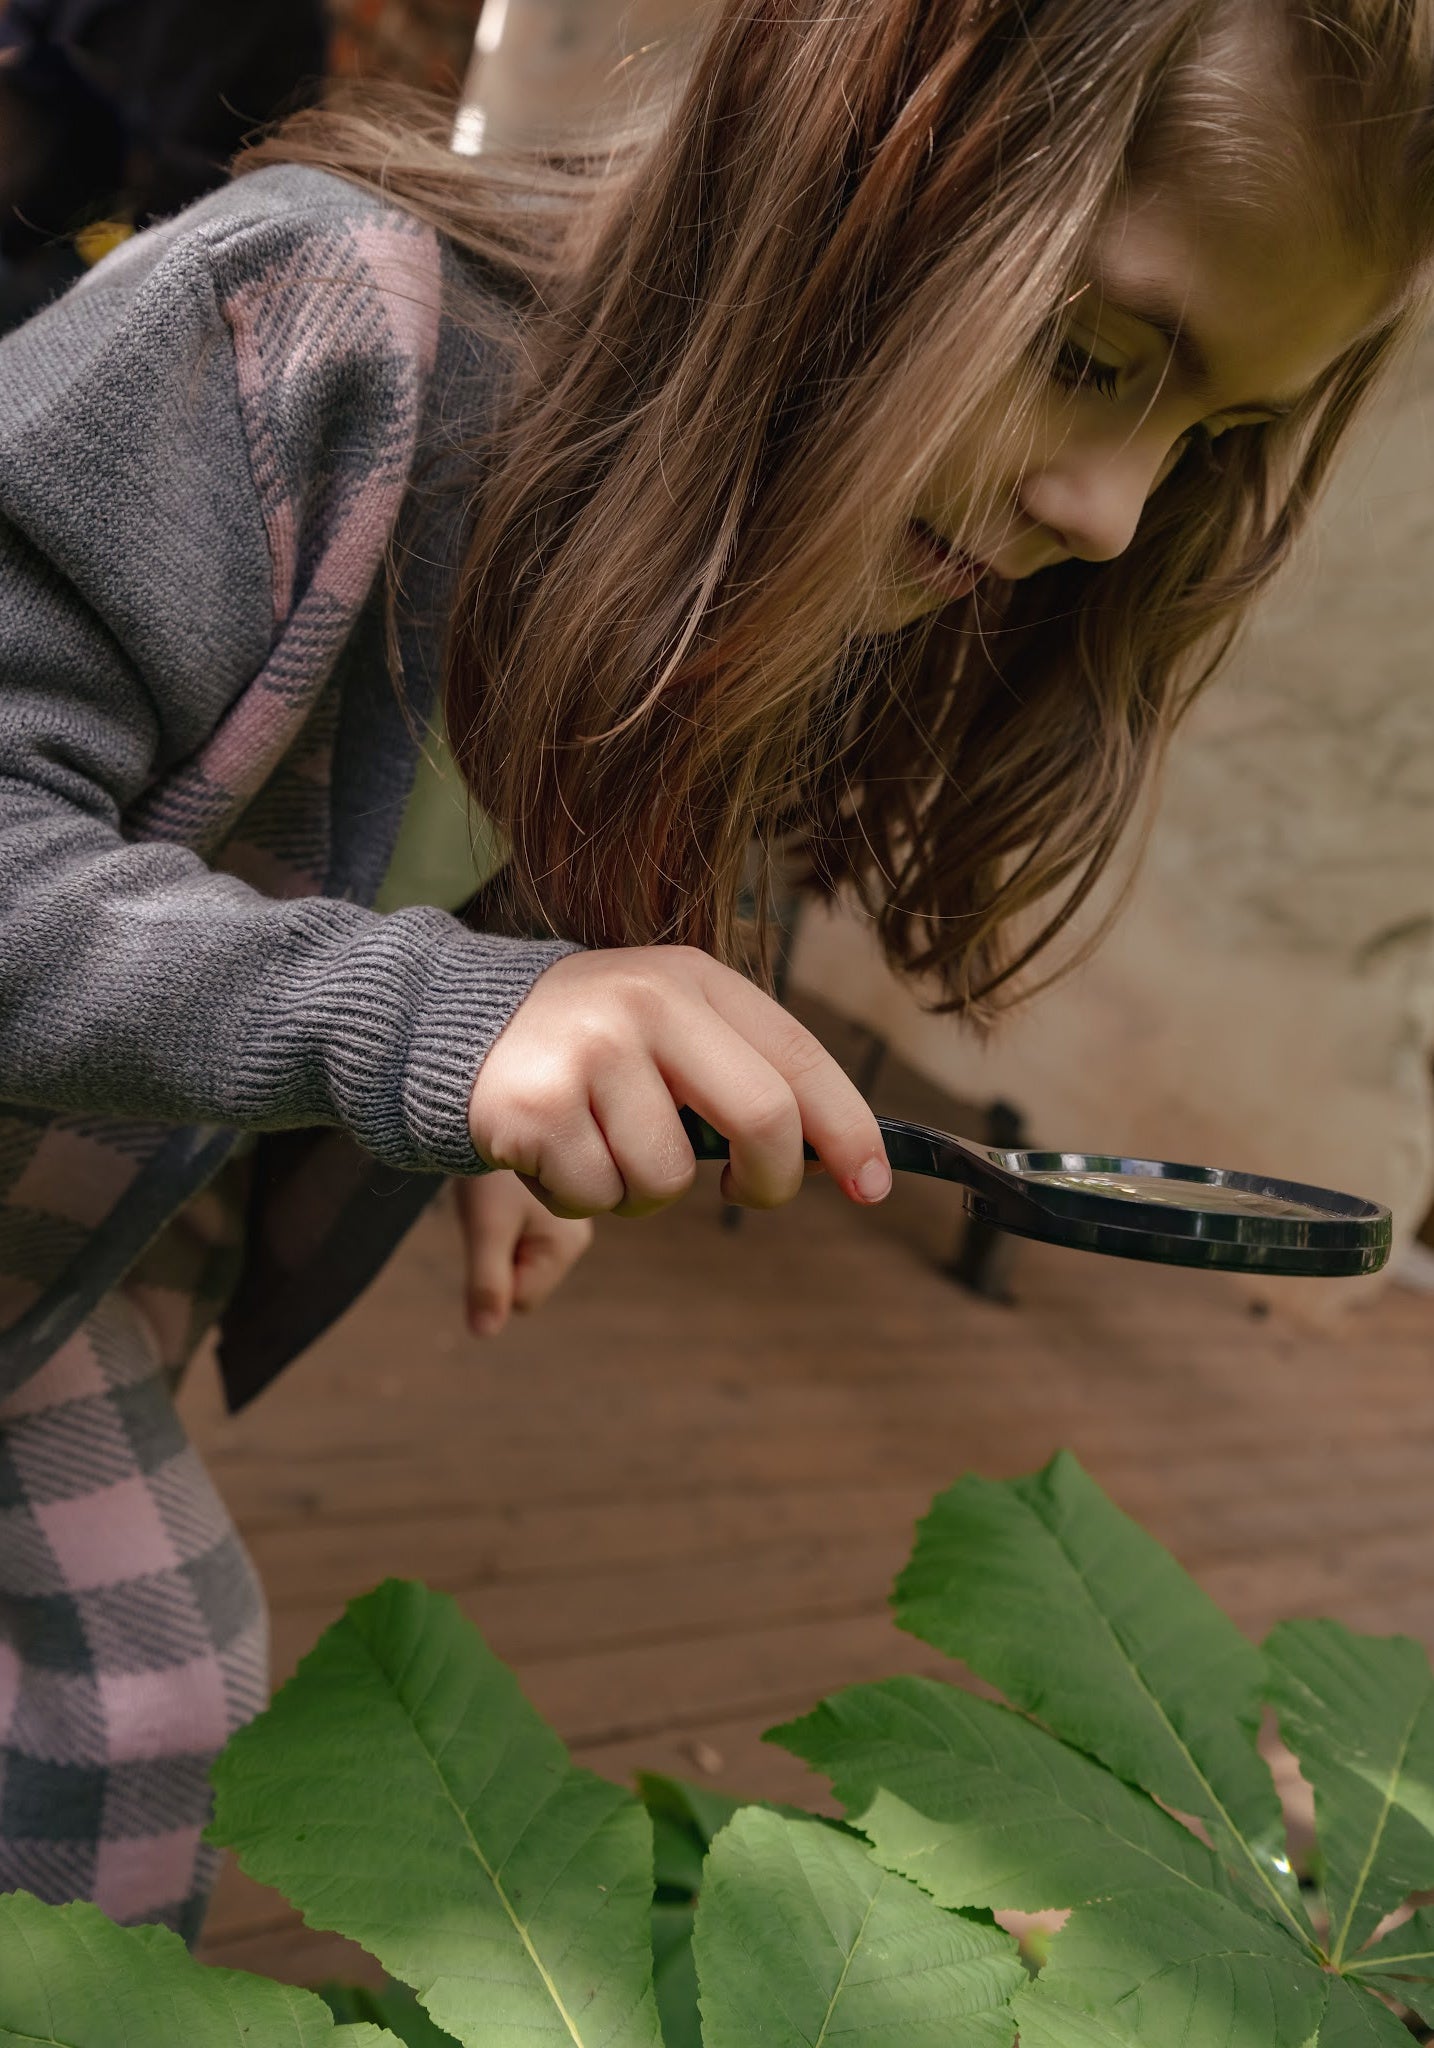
{"x": 1333, "y": 1210}
{"x": 1348, "y": 1236}
{"x": 1322, "y": 1261}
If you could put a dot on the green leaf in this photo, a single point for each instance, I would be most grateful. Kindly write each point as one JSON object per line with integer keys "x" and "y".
{"x": 1403, "y": 1964}
{"x": 677, "y": 1858}
{"x": 1356, "y": 2019}
{"x": 1048, "y": 1591}
{"x": 674, "y": 1975}
{"x": 1358, "y": 1712}
{"x": 982, "y": 1808}
{"x": 1046, "y": 2022}
{"x": 684, "y": 1820}
{"x": 1410, "y": 1946}
{"x": 71, "y": 1979}
{"x": 401, "y": 1790}
{"x": 803, "y": 1941}
{"x": 1174, "y": 1966}
{"x": 395, "y": 2007}
{"x": 698, "y": 1808}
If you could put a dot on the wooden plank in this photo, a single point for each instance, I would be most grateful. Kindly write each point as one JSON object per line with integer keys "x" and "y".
{"x": 527, "y": 1542}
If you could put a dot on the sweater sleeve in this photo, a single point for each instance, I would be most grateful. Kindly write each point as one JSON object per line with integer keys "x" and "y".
{"x": 136, "y": 605}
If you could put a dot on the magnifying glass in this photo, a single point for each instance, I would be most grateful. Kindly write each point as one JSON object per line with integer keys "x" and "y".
{"x": 1136, "y": 1208}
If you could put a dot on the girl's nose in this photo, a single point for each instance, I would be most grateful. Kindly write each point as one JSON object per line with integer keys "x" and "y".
{"x": 1093, "y": 497}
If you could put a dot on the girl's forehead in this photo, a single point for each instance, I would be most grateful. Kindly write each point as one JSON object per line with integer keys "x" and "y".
{"x": 1267, "y": 297}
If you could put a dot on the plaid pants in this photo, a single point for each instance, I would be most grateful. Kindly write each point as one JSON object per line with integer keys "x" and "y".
{"x": 133, "y": 1631}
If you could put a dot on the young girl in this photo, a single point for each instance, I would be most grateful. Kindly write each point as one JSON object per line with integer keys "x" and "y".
{"x": 864, "y": 465}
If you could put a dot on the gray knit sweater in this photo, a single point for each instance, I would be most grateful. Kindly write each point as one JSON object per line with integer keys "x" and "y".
{"x": 206, "y": 449}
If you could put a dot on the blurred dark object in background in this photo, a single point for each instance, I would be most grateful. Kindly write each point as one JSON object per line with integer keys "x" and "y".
{"x": 126, "y": 110}
{"x": 425, "y": 43}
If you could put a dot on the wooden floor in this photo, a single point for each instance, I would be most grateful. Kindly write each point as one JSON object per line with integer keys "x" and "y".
{"x": 676, "y": 1500}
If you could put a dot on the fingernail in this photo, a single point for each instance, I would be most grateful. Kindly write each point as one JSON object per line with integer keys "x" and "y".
{"x": 873, "y": 1182}
{"x": 484, "y": 1322}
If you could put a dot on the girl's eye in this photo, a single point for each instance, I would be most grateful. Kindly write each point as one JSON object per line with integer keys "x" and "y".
{"x": 1075, "y": 366}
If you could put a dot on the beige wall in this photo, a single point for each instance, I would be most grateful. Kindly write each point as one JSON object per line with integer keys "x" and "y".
{"x": 560, "y": 60}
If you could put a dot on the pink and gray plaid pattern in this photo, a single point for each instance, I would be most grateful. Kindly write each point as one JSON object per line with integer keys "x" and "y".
{"x": 133, "y": 1635}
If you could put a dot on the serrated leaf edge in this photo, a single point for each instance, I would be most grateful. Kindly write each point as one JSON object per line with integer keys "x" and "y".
{"x": 1174, "y": 1875}
{"x": 1289, "y": 1918}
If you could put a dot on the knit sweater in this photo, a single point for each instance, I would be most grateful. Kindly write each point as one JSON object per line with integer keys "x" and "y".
{"x": 206, "y": 450}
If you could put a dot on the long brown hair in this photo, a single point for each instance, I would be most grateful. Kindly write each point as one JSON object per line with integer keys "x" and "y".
{"x": 742, "y": 330}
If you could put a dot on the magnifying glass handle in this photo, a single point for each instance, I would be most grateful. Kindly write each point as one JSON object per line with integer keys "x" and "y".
{"x": 709, "y": 1144}
{"x": 910, "y": 1149}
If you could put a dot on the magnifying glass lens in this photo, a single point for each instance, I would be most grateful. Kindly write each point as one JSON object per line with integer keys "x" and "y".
{"x": 1158, "y": 1191}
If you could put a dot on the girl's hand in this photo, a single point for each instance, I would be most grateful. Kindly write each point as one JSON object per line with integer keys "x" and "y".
{"x": 580, "y": 1093}
{"x": 516, "y": 1252}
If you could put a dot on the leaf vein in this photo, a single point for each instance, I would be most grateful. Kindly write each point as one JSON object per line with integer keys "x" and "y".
{"x": 1376, "y": 1835}
{"x": 488, "y": 1870}
{"x": 846, "y": 1966}
{"x": 1201, "y": 1777}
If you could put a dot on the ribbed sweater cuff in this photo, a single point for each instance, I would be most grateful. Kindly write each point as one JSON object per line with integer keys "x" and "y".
{"x": 383, "y": 1028}
{"x": 472, "y": 991}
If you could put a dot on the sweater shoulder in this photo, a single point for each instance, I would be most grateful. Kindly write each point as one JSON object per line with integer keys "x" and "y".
{"x": 308, "y": 225}
{"x": 252, "y": 219}
{"x": 219, "y": 421}
{"x": 307, "y": 275}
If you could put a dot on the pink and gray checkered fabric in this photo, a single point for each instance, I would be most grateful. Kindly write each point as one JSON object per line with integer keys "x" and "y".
{"x": 133, "y": 1633}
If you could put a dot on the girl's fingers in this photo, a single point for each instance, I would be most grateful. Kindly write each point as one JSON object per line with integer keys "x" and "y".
{"x": 715, "y": 1068}
{"x": 515, "y": 1251}
{"x": 578, "y": 1094}
{"x": 831, "y": 1111}
{"x": 638, "y": 1118}
{"x": 544, "y": 1257}
{"x": 490, "y": 1241}
{"x": 573, "y": 1174}
{"x": 490, "y": 1288}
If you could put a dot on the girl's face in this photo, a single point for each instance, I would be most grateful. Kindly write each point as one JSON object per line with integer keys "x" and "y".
{"x": 1196, "y": 321}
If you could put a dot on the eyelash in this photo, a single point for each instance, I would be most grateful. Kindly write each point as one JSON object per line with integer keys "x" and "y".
{"x": 1075, "y": 366}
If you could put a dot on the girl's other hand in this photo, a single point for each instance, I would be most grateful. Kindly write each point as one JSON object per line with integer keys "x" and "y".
{"x": 580, "y": 1093}
{"x": 516, "y": 1252}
